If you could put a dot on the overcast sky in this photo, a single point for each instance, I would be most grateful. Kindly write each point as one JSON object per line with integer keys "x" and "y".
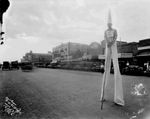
{"x": 40, "y": 25}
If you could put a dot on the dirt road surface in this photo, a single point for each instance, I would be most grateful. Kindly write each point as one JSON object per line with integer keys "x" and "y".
{"x": 63, "y": 94}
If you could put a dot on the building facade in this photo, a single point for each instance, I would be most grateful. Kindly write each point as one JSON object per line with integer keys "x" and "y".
{"x": 143, "y": 55}
{"x": 125, "y": 50}
{"x": 95, "y": 49}
{"x": 131, "y": 51}
{"x": 69, "y": 51}
{"x": 61, "y": 51}
{"x": 43, "y": 58}
{"x": 128, "y": 48}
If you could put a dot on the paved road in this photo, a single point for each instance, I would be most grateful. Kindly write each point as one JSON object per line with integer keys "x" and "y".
{"x": 64, "y": 94}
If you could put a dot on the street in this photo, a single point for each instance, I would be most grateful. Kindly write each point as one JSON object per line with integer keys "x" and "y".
{"x": 63, "y": 94}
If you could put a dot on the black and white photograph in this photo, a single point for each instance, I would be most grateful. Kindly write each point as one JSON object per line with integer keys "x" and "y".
{"x": 74, "y": 59}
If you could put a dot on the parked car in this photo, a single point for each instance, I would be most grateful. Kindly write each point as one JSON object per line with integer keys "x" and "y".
{"x": 26, "y": 65}
{"x": 132, "y": 70}
{"x": 96, "y": 68}
{"x": 58, "y": 66}
{"x": 148, "y": 71}
{"x": 1, "y": 65}
{"x": 14, "y": 65}
{"x": 49, "y": 66}
{"x": 122, "y": 67}
{"x": 6, "y": 65}
{"x": 76, "y": 67}
{"x": 87, "y": 68}
{"x": 102, "y": 68}
{"x": 40, "y": 65}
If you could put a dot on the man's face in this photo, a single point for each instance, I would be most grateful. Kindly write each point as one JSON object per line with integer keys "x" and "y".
{"x": 109, "y": 25}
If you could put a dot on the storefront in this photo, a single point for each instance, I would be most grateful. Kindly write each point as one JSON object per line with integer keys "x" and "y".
{"x": 143, "y": 56}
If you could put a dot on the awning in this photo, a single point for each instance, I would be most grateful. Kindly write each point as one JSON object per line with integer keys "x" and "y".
{"x": 145, "y": 53}
{"x": 101, "y": 56}
{"x": 142, "y": 55}
{"x": 120, "y": 55}
{"x": 144, "y": 48}
{"x": 125, "y": 55}
{"x": 94, "y": 57}
{"x": 54, "y": 62}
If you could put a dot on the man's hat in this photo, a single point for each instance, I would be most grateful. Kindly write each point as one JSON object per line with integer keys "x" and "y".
{"x": 109, "y": 18}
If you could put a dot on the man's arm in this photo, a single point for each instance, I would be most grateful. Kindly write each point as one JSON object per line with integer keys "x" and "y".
{"x": 115, "y": 36}
{"x": 105, "y": 36}
{"x": 114, "y": 39}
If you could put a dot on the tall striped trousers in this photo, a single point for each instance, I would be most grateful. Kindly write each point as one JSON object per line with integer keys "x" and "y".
{"x": 118, "y": 89}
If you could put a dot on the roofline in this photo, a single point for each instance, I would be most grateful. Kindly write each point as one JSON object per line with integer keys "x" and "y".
{"x": 40, "y": 53}
{"x": 144, "y": 39}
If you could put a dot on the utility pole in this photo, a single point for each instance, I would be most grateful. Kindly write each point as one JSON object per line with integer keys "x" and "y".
{"x": 4, "y": 4}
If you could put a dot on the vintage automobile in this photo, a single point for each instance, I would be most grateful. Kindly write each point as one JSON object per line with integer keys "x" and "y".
{"x": 1, "y": 65}
{"x": 148, "y": 71}
{"x": 132, "y": 70}
{"x": 26, "y": 66}
{"x": 98, "y": 68}
{"x": 49, "y": 66}
{"x": 14, "y": 65}
{"x": 6, "y": 65}
{"x": 40, "y": 65}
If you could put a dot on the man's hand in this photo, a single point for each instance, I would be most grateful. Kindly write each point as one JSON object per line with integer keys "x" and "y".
{"x": 109, "y": 44}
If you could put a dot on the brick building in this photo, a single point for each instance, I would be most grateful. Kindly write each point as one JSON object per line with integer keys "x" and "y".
{"x": 143, "y": 55}
{"x": 128, "y": 48}
{"x": 38, "y": 57}
{"x": 125, "y": 50}
{"x": 131, "y": 51}
{"x": 144, "y": 47}
{"x": 69, "y": 51}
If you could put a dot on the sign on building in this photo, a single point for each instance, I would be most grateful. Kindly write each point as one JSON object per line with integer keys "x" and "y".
{"x": 101, "y": 57}
{"x": 125, "y": 55}
{"x": 29, "y": 57}
{"x": 63, "y": 50}
{"x": 120, "y": 55}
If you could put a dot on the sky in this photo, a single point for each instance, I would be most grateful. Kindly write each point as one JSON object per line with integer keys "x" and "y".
{"x": 40, "y": 25}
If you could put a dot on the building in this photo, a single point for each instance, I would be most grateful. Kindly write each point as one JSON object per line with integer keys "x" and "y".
{"x": 95, "y": 49}
{"x": 38, "y": 57}
{"x": 72, "y": 51}
{"x": 125, "y": 50}
{"x": 144, "y": 47}
{"x": 69, "y": 51}
{"x": 121, "y": 43}
{"x": 128, "y": 48}
{"x": 143, "y": 55}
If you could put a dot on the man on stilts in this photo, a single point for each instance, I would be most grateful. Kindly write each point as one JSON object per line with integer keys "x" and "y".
{"x": 110, "y": 36}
